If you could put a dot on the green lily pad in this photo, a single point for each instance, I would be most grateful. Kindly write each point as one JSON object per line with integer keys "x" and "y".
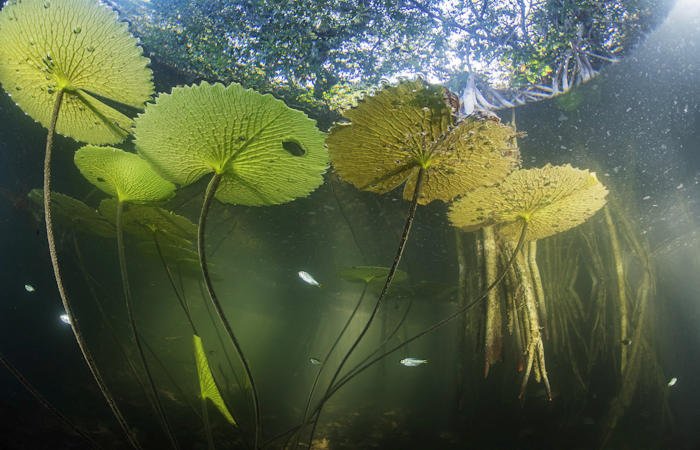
{"x": 551, "y": 199}
{"x": 404, "y": 128}
{"x": 144, "y": 221}
{"x": 368, "y": 274}
{"x": 266, "y": 152}
{"x": 75, "y": 214}
{"x": 207, "y": 385}
{"x": 79, "y": 47}
{"x": 123, "y": 175}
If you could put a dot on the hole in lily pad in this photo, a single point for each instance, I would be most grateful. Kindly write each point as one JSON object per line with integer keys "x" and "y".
{"x": 294, "y": 148}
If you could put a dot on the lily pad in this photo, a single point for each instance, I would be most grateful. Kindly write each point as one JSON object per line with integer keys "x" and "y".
{"x": 266, "y": 152}
{"x": 551, "y": 199}
{"x": 368, "y": 274}
{"x": 123, "y": 175}
{"x": 79, "y": 47}
{"x": 75, "y": 214}
{"x": 404, "y": 128}
{"x": 144, "y": 221}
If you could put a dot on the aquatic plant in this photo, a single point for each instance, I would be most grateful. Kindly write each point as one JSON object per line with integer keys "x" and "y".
{"x": 407, "y": 135}
{"x": 129, "y": 179}
{"x": 551, "y": 199}
{"x": 74, "y": 60}
{"x": 257, "y": 150}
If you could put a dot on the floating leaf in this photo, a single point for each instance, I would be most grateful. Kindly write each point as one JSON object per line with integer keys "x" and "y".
{"x": 75, "y": 214}
{"x": 551, "y": 199}
{"x": 404, "y": 128}
{"x": 80, "y": 47}
{"x": 368, "y": 274}
{"x": 123, "y": 175}
{"x": 207, "y": 385}
{"x": 266, "y": 152}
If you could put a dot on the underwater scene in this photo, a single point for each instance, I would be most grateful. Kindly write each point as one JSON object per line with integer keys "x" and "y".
{"x": 350, "y": 224}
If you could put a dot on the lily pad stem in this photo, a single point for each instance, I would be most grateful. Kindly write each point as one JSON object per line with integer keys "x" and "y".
{"x": 45, "y": 403}
{"x": 330, "y": 352}
{"x": 130, "y": 312}
{"x": 361, "y": 368}
{"x": 75, "y": 324}
{"x": 206, "y": 204}
{"x": 389, "y": 278}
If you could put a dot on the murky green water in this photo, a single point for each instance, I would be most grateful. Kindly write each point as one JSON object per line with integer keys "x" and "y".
{"x": 617, "y": 296}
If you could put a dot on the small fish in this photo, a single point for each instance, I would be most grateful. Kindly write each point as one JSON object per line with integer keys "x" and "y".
{"x": 65, "y": 318}
{"x": 672, "y": 381}
{"x": 315, "y": 361}
{"x": 413, "y": 362}
{"x": 626, "y": 341}
{"x": 308, "y": 279}
{"x": 29, "y": 288}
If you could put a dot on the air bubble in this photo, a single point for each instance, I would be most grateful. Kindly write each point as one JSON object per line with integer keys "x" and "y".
{"x": 47, "y": 4}
{"x": 77, "y": 30}
{"x": 90, "y": 49}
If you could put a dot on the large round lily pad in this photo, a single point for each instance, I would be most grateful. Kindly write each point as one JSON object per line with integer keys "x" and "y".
{"x": 80, "y": 47}
{"x": 265, "y": 152}
{"x": 404, "y": 128}
{"x": 551, "y": 199}
{"x": 123, "y": 175}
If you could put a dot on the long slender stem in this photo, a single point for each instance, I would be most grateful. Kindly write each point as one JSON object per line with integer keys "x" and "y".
{"x": 389, "y": 278}
{"x": 361, "y": 368}
{"x": 330, "y": 352}
{"x": 45, "y": 403}
{"x": 130, "y": 312}
{"x": 75, "y": 324}
{"x": 105, "y": 318}
{"x": 171, "y": 280}
{"x": 201, "y": 249}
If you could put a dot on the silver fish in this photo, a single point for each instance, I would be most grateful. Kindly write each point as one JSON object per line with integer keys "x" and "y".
{"x": 65, "y": 318}
{"x": 29, "y": 288}
{"x": 308, "y": 279}
{"x": 413, "y": 362}
{"x": 672, "y": 381}
{"x": 315, "y": 361}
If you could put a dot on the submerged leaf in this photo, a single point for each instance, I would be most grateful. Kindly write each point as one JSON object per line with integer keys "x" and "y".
{"x": 75, "y": 214}
{"x": 80, "y": 47}
{"x": 146, "y": 221}
{"x": 123, "y": 175}
{"x": 266, "y": 152}
{"x": 404, "y": 128}
{"x": 368, "y": 274}
{"x": 551, "y": 199}
{"x": 207, "y": 385}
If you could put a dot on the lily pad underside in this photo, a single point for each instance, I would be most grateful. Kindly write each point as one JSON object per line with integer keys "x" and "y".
{"x": 265, "y": 152}
{"x": 404, "y": 128}
{"x": 146, "y": 221}
{"x": 551, "y": 199}
{"x": 368, "y": 274}
{"x": 80, "y": 47}
{"x": 123, "y": 175}
{"x": 75, "y": 214}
